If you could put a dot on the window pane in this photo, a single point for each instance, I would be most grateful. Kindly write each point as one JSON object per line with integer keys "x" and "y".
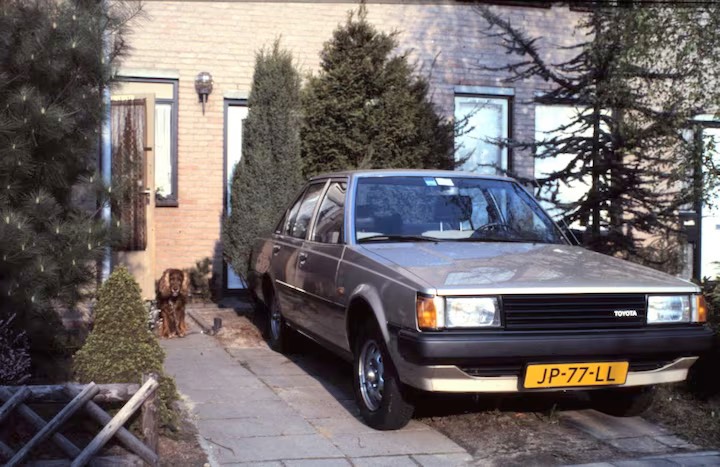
{"x": 300, "y": 219}
{"x": 484, "y": 119}
{"x": 163, "y": 151}
{"x": 328, "y": 228}
{"x": 711, "y": 212}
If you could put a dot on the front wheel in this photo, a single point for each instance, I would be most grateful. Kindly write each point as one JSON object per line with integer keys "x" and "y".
{"x": 280, "y": 336}
{"x": 378, "y": 391}
{"x": 623, "y": 402}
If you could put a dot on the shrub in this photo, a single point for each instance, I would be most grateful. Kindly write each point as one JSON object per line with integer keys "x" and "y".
{"x": 367, "y": 108}
{"x": 200, "y": 279}
{"x": 269, "y": 173}
{"x": 120, "y": 348}
{"x": 14, "y": 355}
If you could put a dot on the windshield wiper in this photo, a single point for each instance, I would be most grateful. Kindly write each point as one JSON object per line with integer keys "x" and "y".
{"x": 495, "y": 239}
{"x": 400, "y": 238}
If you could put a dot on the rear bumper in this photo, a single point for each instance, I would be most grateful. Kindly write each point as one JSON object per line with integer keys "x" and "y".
{"x": 495, "y": 362}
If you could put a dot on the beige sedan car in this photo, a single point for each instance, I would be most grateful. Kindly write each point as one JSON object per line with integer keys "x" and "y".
{"x": 454, "y": 282}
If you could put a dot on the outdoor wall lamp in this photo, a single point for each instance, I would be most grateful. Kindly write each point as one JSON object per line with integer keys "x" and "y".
{"x": 203, "y": 86}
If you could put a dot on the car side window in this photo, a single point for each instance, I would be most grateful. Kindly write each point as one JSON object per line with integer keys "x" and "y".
{"x": 330, "y": 218}
{"x": 289, "y": 220}
{"x": 299, "y": 223}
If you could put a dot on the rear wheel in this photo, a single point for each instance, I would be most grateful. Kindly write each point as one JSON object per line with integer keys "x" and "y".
{"x": 378, "y": 391}
{"x": 623, "y": 402}
{"x": 280, "y": 336}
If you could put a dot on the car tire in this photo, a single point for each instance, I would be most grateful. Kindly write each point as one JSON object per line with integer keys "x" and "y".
{"x": 281, "y": 337}
{"x": 623, "y": 402}
{"x": 377, "y": 387}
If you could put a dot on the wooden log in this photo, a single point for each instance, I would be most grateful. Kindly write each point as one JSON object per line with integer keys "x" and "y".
{"x": 123, "y": 435}
{"x": 17, "y": 399}
{"x": 117, "y": 421}
{"x": 120, "y": 392}
{"x": 6, "y": 451}
{"x": 53, "y": 425}
{"x": 150, "y": 422}
{"x": 38, "y": 423}
{"x": 107, "y": 461}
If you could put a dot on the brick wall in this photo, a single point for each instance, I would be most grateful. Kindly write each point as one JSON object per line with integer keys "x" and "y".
{"x": 223, "y": 37}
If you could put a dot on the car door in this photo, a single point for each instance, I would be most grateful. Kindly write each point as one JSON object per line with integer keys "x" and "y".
{"x": 317, "y": 267}
{"x": 286, "y": 248}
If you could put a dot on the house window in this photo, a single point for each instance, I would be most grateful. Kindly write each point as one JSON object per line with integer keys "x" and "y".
{"x": 710, "y": 232}
{"x": 166, "y": 131}
{"x": 484, "y": 121}
{"x": 551, "y": 121}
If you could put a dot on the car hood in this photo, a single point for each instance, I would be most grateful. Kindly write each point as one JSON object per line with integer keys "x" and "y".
{"x": 492, "y": 268}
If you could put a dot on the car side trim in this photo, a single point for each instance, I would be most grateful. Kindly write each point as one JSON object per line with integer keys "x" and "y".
{"x": 304, "y": 292}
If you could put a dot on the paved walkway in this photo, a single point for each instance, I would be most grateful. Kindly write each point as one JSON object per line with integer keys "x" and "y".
{"x": 256, "y": 406}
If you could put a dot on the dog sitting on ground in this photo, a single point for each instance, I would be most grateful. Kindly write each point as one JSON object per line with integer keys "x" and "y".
{"x": 171, "y": 298}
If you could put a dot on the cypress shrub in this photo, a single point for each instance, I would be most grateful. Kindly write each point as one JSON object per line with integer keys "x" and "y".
{"x": 269, "y": 173}
{"x": 120, "y": 347}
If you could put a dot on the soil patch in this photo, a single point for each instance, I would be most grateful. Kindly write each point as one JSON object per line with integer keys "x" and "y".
{"x": 696, "y": 420}
{"x": 513, "y": 431}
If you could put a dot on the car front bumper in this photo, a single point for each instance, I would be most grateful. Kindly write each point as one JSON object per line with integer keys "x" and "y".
{"x": 441, "y": 362}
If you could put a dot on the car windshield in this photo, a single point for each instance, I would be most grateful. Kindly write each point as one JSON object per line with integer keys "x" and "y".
{"x": 424, "y": 208}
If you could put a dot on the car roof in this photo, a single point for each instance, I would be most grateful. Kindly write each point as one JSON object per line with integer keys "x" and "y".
{"x": 408, "y": 172}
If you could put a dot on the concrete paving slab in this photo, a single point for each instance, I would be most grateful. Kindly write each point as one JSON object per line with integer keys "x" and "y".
{"x": 254, "y": 464}
{"x": 232, "y": 409}
{"x": 229, "y": 393}
{"x": 645, "y": 463}
{"x": 640, "y": 444}
{"x": 442, "y": 460}
{"x": 675, "y": 442}
{"x": 266, "y": 425}
{"x": 318, "y": 463}
{"x": 384, "y": 461}
{"x": 605, "y": 427}
{"x": 318, "y": 406}
{"x": 265, "y": 448}
{"x": 352, "y": 425}
{"x": 390, "y": 443}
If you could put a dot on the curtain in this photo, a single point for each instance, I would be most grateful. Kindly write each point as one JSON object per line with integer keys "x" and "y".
{"x": 128, "y": 171}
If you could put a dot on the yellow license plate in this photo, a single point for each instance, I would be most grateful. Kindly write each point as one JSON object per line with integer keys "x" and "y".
{"x": 561, "y": 375}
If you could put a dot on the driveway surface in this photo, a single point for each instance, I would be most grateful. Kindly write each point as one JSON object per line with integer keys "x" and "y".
{"x": 253, "y": 406}
{"x": 256, "y": 406}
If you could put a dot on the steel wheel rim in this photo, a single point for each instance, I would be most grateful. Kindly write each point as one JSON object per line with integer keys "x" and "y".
{"x": 275, "y": 322}
{"x": 371, "y": 373}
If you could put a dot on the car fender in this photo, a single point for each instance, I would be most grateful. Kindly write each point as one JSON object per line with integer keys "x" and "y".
{"x": 372, "y": 297}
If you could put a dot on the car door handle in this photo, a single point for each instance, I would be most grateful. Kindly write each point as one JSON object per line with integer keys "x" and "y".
{"x": 302, "y": 257}
{"x": 276, "y": 249}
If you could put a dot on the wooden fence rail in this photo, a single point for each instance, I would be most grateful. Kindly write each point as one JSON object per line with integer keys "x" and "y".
{"x": 15, "y": 399}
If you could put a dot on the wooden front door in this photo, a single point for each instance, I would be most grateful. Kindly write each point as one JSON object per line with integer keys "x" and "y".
{"x": 133, "y": 130}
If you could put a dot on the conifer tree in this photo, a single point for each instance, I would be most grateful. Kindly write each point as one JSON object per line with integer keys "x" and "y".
{"x": 367, "y": 108}
{"x": 52, "y": 73}
{"x": 637, "y": 79}
{"x": 269, "y": 173}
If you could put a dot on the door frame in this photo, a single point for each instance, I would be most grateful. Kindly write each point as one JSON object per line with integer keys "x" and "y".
{"x": 227, "y": 103}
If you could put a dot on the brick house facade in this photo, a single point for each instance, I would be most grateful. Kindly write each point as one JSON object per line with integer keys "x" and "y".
{"x": 175, "y": 40}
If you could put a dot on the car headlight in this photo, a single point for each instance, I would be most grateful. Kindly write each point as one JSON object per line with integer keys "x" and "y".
{"x": 457, "y": 312}
{"x": 664, "y": 309}
{"x": 472, "y": 312}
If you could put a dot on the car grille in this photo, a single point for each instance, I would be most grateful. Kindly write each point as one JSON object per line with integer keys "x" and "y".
{"x": 572, "y": 311}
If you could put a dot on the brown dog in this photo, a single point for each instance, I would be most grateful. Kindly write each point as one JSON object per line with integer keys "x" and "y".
{"x": 172, "y": 296}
